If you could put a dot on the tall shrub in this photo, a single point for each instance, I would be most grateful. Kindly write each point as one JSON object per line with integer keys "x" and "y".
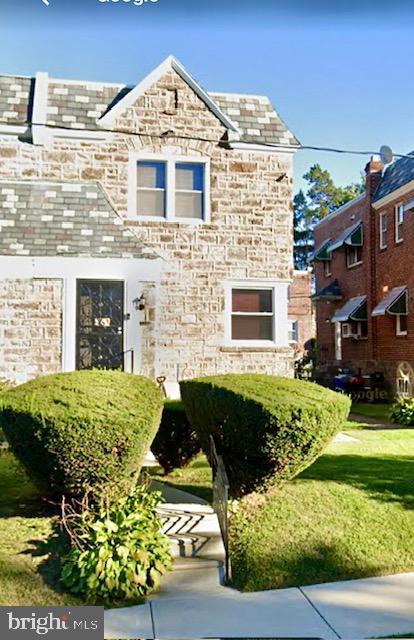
{"x": 76, "y": 430}
{"x": 267, "y": 428}
{"x": 176, "y": 442}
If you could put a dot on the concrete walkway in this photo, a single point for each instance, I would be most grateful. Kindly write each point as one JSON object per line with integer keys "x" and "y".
{"x": 193, "y": 603}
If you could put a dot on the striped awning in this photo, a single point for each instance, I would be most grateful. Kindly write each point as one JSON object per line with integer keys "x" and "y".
{"x": 352, "y": 236}
{"x": 394, "y": 303}
{"x": 353, "y": 309}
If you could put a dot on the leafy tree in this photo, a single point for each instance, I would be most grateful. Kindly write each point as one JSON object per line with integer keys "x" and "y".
{"x": 321, "y": 198}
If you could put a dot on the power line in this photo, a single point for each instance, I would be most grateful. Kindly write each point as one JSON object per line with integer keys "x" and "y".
{"x": 172, "y": 134}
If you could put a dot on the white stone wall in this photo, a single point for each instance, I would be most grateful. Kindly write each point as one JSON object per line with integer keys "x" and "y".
{"x": 30, "y": 328}
{"x": 249, "y": 236}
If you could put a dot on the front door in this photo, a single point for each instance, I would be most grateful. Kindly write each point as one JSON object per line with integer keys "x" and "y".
{"x": 100, "y": 324}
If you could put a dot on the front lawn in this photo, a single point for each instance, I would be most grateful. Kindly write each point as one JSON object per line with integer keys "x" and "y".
{"x": 29, "y": 568}
{"x": 349, "y": 515}
{"x": 370, "y": 410}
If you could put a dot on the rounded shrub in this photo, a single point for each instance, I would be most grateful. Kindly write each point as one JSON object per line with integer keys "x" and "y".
{"x": 176, "y": 442}
{"x": 73, "y": 431}
{"x": 266, "y": 428}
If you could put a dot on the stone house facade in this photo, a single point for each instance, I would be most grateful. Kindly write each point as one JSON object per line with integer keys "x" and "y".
{"x": 148, "y": 228}
{"x": 364, "y": 280}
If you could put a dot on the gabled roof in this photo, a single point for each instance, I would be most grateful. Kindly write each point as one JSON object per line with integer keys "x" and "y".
{"x": 92, "y": 106}
{"x": 61, "y": 218}
{"x": 169, "y": 64}
{"x": 395, "y": 176}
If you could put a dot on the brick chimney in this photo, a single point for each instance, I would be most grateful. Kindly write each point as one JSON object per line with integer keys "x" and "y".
{"x": 373, "y": 172}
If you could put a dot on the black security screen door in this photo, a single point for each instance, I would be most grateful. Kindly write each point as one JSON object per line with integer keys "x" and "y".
{"x": 100, "y": 325}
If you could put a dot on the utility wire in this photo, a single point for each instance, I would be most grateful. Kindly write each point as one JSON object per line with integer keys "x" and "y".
{"x": 172, "y": 134}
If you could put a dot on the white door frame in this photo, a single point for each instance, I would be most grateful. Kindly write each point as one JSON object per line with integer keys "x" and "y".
{"x": 133, "y": 272}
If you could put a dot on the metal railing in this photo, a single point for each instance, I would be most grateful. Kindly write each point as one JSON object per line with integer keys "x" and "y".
{"x": 220, "y": 502}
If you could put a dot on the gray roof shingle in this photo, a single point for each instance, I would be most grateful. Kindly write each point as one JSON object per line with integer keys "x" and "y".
{"x": 396, "y": 175}
{"x": 66, "y": 219}
{"x": 256, "y": 117}
{"x": 78, "y": 105}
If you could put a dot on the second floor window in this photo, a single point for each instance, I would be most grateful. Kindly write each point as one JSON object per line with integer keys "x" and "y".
{"x": 353, "y": 256}
{"x": 327, "y": 268}
{"x": 383, "y": 230}
{"x": 173, "y": 188}
{"x": 399, "y": 223}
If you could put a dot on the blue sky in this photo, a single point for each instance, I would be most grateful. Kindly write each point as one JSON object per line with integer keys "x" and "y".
{"x": 340, "y": 77}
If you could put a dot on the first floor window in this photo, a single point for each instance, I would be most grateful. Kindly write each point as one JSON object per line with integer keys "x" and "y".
{"x": 174, "y": 188}
{"x": 399, "y": 220}
{"x": 353, "y": 256}
{"x": 401, "y": 325}
{"x": 293, "y": 331}
{"x": 252, "y": 314}
{"x": 383, "y": 230}
{"x": 404, "y": 387}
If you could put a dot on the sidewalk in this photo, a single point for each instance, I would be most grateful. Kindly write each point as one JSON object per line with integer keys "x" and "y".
{"x": 193, "y": 603}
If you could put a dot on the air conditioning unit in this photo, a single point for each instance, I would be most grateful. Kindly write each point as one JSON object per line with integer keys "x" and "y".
{"x": 348, "y": 331}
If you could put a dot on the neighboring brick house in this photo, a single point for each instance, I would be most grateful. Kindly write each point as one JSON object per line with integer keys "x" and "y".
{"x": 301, "y": 314}
{"x": 148, "y": 228}
{"x": 365, "y": 279}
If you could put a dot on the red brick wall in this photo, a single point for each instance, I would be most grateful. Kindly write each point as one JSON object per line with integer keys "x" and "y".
{"x": 395, "y": 268}
{"x": 354, "y": 281}
{"x": 301, "y": 307}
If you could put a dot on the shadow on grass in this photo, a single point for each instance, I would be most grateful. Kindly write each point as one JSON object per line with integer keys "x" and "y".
{"x": 52, "y": 550}
{"x": 387, "y": 479}
{"x": 324, "y": 563}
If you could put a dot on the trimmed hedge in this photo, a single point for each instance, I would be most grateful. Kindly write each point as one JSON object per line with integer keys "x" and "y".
{"x": 77, "y": 430}
{"x": 176, "y": 442}
{"x": 267, "y": 428}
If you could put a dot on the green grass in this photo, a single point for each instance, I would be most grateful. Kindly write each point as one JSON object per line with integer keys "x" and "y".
{"x": 195, "y": 478}
{"x": 376, "y": 411}
{"x": 349, "y": 515}
{"x": 29, "y": 550}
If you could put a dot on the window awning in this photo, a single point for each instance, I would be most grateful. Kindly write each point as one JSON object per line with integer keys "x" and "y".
{"x": 332, "y": 291}
{"x": 323, "y": 252}
{"x": 352, "y": 236}
{"x": 395, "y": 303}
{"x": 354, "y": 309}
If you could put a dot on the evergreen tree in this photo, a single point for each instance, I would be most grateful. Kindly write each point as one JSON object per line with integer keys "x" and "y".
{"x": 322, "y": 198}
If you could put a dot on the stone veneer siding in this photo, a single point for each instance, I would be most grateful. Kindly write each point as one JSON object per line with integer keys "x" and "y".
{"x": 30, "y": 328}
{"x": 249, "y": 236}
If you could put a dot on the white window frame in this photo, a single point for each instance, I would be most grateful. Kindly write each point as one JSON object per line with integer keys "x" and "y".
{"x": 280, "y": 313}
{"x": 170, "y": 161}
{"x": 350, "y": 264}
{"x": 291, "y": 322}
{"x": 383, "y": 230}
{"x": 399, "y": 232}
{"x": 327, "y": 268}
{"x": 404, "y": 389}
{"x": 398, "y": 330}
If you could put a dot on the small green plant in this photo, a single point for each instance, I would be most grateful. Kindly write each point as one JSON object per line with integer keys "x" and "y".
{"x": 402, "y": 411}
{"x": 118, "y": 553}
{"x": 176, "y": 442}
